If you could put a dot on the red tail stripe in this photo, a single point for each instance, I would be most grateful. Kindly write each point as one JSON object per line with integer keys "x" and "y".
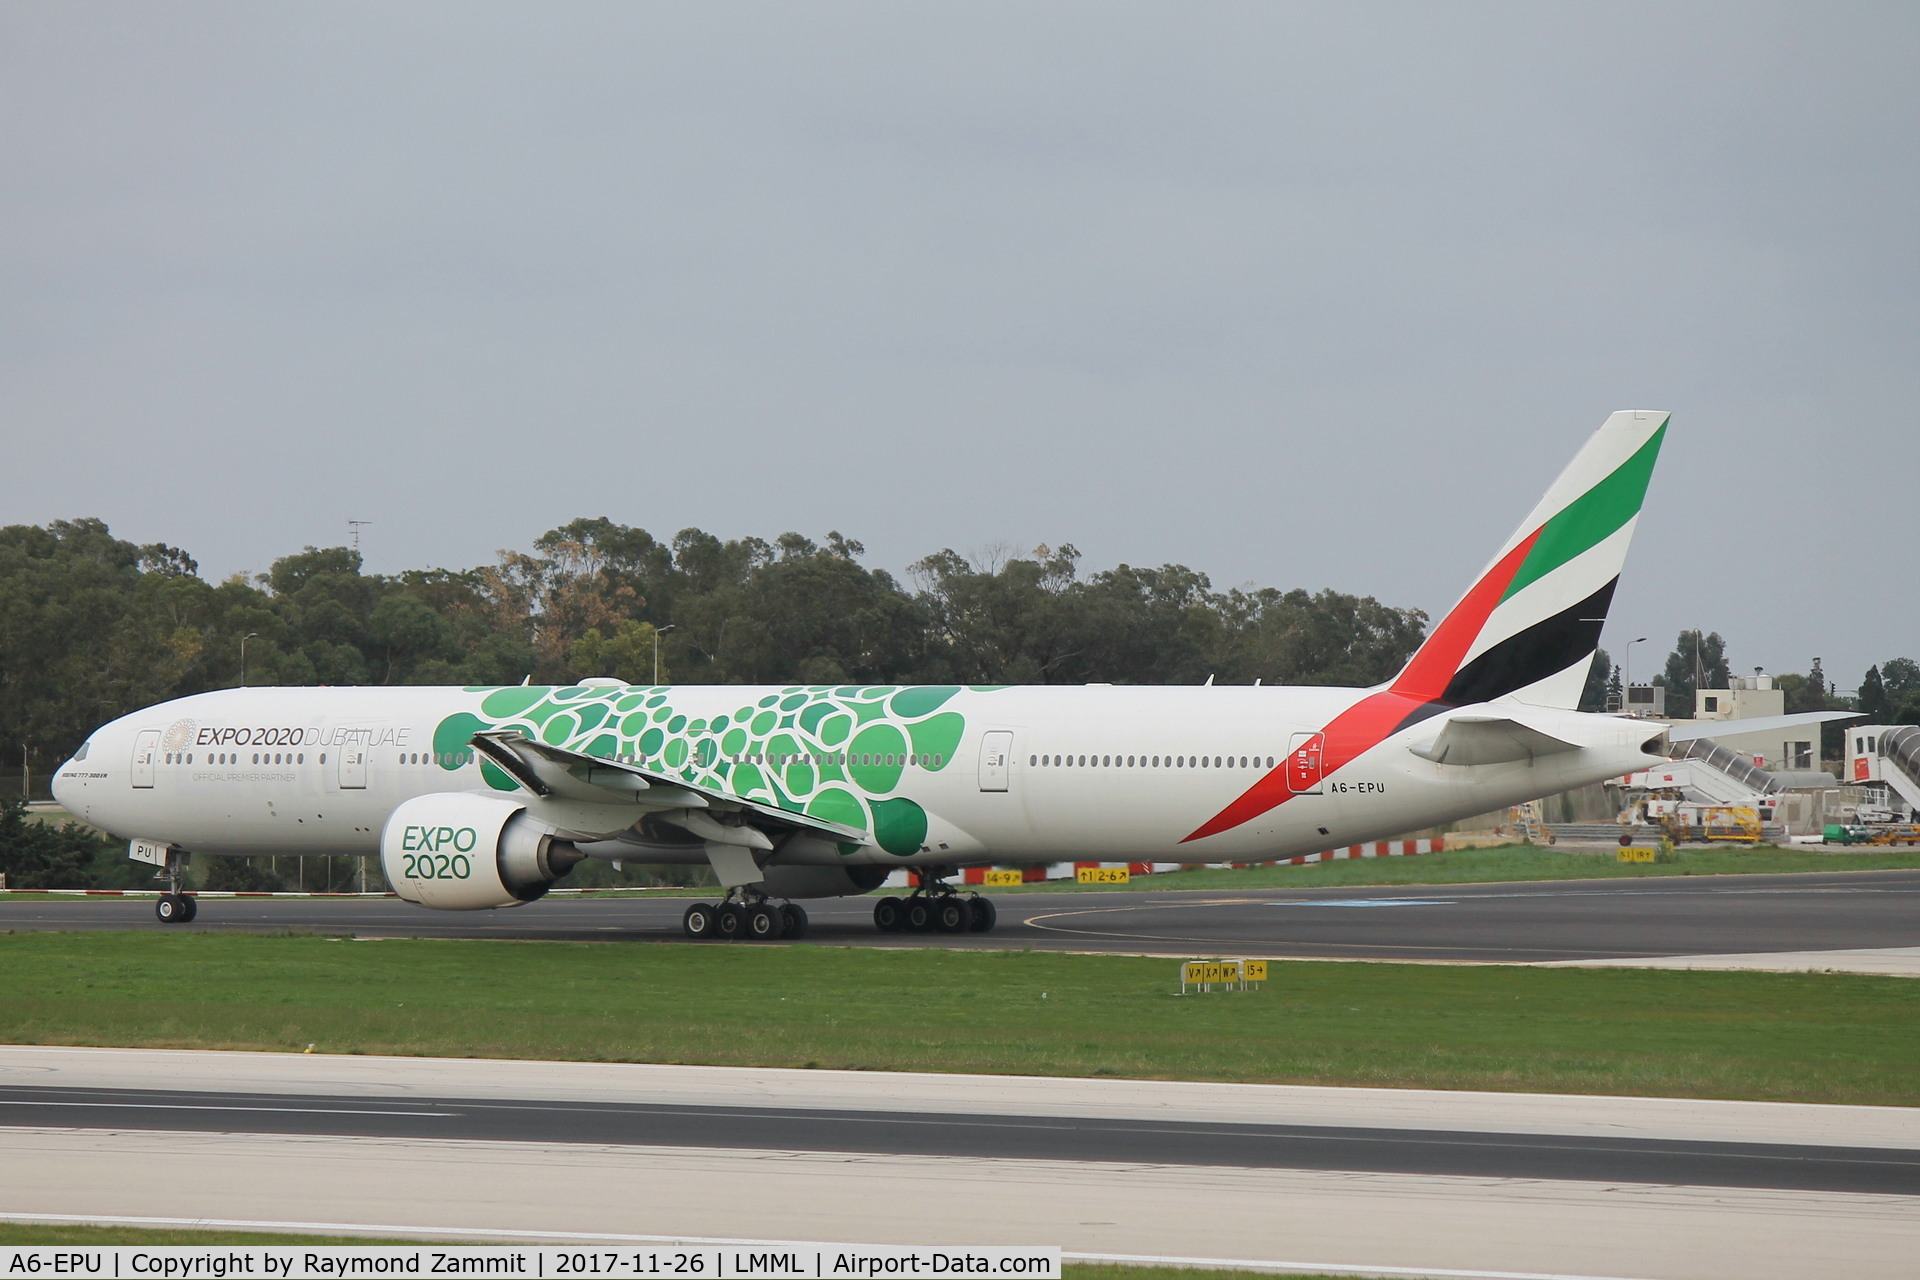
{"x": 1434, "y": 665}
{"x": 1365, "y": 724}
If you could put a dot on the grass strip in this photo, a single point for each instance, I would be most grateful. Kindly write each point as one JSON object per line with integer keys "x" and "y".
{"x": 1791, "y": 1037}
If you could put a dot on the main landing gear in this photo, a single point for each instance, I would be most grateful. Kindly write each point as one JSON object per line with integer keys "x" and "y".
{"x": 745, "y": 914}
{"x": 935, "y": 906}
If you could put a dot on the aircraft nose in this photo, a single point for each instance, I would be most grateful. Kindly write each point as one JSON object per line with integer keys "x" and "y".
{"x": 63, "y": 790}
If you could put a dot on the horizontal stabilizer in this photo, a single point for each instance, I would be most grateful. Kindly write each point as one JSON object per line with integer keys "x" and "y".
{"x": 547, "y": 770}
{"x": 1475, "y": 739}
{"x": 1755, "y": 724}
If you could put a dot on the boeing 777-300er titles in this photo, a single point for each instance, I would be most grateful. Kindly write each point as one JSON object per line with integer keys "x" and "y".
{"x": 484, "y": 797}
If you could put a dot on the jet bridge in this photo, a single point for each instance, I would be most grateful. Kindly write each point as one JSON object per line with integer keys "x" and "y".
{"x": 1887, "y": 756}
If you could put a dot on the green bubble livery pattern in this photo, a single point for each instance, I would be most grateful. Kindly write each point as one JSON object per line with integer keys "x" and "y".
{"x": 784, "y": 733}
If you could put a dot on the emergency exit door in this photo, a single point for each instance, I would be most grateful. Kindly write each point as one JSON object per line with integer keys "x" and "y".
{"x": 353, "y": 768}
{"x": 146, "y": 748}
{"x": 1304, "y": 763}
{"x": 996, "y": 760}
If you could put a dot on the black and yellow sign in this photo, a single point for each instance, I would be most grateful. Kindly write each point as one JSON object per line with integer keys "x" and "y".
{"x": 1001, "y": 879}
{"x": 1103, "y": 875}
{"x": 1636, "y": 855}
{"x": 1206, "y": 972}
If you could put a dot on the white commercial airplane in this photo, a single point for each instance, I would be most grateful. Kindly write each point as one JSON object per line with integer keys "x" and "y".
{"x": 484, "y": 797}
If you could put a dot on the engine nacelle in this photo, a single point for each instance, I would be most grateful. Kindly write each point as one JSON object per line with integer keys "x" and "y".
{"x": 821, "y": 882}
{"x": 469, "y": 851}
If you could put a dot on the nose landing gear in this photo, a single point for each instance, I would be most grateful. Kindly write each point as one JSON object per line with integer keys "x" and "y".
{"x": 935, "y": 906}
{"x": 745, "y": 913}
{"x": 175, "y": 906}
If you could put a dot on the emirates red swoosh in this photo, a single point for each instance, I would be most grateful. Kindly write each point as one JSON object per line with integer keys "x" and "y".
{"x": 1368, "y": 722}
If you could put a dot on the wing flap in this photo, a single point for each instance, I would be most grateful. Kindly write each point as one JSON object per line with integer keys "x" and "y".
{"x": 547, "y": 770}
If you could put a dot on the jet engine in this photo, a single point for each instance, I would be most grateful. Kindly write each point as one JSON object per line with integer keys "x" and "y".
{"x": 469, "y": 851}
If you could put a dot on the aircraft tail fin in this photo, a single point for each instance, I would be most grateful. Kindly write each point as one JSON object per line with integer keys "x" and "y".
{"x": 1528, "y": 626}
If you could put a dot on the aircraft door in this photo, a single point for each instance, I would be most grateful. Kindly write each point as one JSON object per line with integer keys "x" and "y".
{"x": 353, "y": 768}
{"x": 146, "y": 749}
{"x": 996, "y": 760}
{"x": 1304, "y": 763}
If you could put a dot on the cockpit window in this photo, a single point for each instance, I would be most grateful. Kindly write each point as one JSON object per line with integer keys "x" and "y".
{"x": 81, "y": 754}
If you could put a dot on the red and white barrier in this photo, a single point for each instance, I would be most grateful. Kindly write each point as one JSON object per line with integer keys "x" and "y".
{"x": 901, "y": 879}
{"x": 1377, "y": 849}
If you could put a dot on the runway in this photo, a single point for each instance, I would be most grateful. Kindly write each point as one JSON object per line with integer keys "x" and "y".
{"x": 1471, "y": 1183}
{"x": 1524, "y": 922}
{"x": 1158, "y": 1141}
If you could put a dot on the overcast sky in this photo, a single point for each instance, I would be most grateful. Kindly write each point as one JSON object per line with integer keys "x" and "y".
{"x": 1316, "y": 296}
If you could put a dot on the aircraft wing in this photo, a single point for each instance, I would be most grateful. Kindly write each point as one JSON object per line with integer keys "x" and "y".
{"x": 556, "y": 773}
{"x": 1486, "y": 739}
{"x": 1755, "y": 724}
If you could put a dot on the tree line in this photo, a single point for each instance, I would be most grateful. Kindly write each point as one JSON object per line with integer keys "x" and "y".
{"x": 93, "y": 626}
{"x": 1889, "y": 692}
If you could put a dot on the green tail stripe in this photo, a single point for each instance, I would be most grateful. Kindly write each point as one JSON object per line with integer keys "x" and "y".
{"x": 1592, "y": 517}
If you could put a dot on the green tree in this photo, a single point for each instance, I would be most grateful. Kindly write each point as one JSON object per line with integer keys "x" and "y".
{"x": 1873, "y": 697}
{"x": 40, "y": 855}
{"x": 627, "y": 654}
{"x": 1601, "y": 676}
{"x": 1901, "y": 678}
{"x": 1698, "y": 661}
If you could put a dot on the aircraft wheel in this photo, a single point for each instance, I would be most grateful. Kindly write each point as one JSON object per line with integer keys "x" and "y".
{"x": 729, "y": 921}
{"x": 981, "y": 915}
{"x": 764, "y": 922}
{"x": 888, "y": 917}
{"x": 919, "y": 915}
{"x": 171, "y": 908}
{"x": 192, "y": 906}
{"x": 796, "y": 920}
{"x": 700, "y": 921}
{"x": 951, "y": 916}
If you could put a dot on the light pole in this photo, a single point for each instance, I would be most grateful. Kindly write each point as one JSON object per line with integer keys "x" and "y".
{"x": 243, "y": 656}
{"x": 1626, "y": 674}
{"x": 657, "y": 633}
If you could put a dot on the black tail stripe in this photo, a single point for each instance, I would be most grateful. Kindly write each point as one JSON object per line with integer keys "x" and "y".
{"x": 1546, "y": 648}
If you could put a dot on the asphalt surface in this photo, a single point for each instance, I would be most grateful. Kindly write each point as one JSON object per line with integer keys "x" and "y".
{"x": 1157, "y": 1142}
{"x": 1516, "y": 922}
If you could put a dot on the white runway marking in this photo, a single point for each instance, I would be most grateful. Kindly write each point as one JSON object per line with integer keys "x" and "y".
{"x": 1364, "y": 902}
{"x": 149, "y": 1104}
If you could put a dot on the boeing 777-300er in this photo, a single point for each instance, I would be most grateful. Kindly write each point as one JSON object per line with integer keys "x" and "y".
{"x": 484, "y": 797}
